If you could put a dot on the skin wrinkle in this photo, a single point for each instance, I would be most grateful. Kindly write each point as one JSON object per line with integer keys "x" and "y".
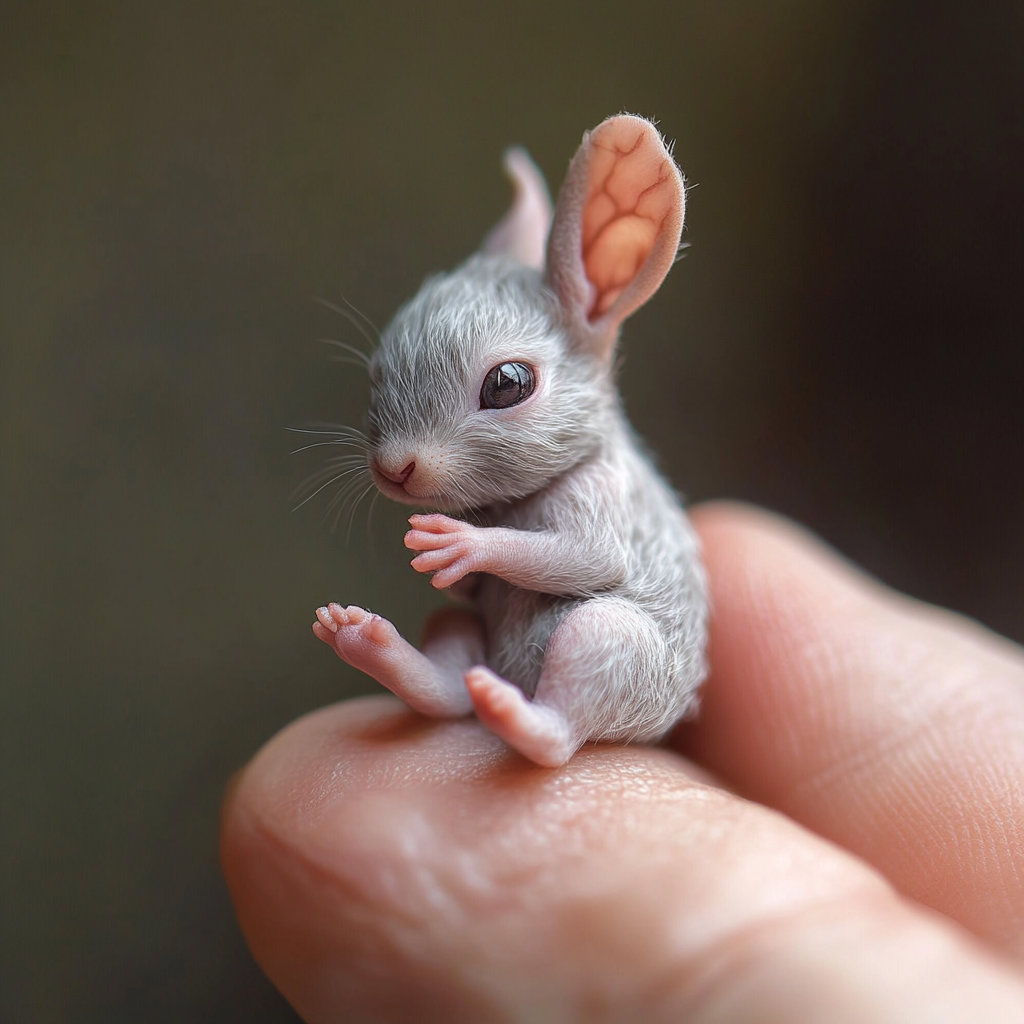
{"x": 917, "y": 718}
{"x": 587, "y": 804}
{"x": 580, "y": 814}
{"x": 763, "y": 976}
{"x": 819, "y": 658}
{"x": 407, "y": 940}
{"x": 430, "y": 949}
{"x": 414, "y": 746}
{"x": 908, "y": 755}
{"x": 410, "y": 890}
{"x": 461, "y": 764}
{"x": 290, "y": 868}
{"x": 452, "y": 878}
{"x": 716, "y": 965}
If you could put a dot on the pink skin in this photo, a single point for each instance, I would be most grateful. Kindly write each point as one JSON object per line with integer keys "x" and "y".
{"x": 610, "y": 249}
{"x": 451, "y": 549}
{"x": 429, "y": 681}
{"x": 447, "y": 679}
{"x": 631, "y": 195}
{"x": 538, "y": 732}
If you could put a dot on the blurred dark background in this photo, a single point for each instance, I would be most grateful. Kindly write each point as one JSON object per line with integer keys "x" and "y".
{"x": 844, "y": 342}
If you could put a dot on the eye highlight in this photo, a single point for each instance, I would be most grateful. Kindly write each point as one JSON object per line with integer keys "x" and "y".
{"x": 507, "y": 385}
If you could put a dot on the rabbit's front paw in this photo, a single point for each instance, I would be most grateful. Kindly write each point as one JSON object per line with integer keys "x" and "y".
{"x": 450, "y": 548}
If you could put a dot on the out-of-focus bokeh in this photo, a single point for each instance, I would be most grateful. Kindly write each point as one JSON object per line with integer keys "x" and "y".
{"x": 843, "y": 342}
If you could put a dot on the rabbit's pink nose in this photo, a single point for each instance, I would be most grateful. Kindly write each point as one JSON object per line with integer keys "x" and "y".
{"x": 397, "y": 477}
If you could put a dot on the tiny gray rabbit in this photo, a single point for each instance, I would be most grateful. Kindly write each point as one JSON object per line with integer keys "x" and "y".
{"x": 493, "y": 397}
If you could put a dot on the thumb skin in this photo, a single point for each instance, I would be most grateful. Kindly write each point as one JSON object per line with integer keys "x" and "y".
{"x": 892, "y": 728}
{"x": 386, "y": 867}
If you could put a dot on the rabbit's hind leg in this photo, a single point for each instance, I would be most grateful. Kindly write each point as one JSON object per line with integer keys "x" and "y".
{"x": 604, "y": 677}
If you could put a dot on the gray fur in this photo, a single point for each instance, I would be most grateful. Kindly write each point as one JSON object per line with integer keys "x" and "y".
{"x": 573, "y": 474}
{"x": 596, "y": 603}
{"x": 426, "y": 374}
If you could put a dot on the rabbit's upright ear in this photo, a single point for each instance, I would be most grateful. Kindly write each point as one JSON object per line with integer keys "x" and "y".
{"x": 616, "y": 229}
{"x": 523, "y": 232}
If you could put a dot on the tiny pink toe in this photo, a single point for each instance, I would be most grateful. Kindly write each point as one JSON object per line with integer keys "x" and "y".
{"x": 444, "y": 578}
{"x": 538, "y": 733}
{"x": 476, "y": 681}
{"x": 380, "y": 630}
{"x": 338, "y": 614}
{"x": 491, "y": 695}
{"x": 356, "y": 615}
{"x": 324, "y": 617}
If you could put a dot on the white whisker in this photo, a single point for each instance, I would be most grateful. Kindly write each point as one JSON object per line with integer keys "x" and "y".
{"x": 355, "y": 505}
{"x": 357, "y": 324}
{"x": 333, "y": 479}
{"x": 337, "y": 430}
{"x": 323, "y": 444}
{"x": 355, "y": 309}
{"x": 361, "y": 358}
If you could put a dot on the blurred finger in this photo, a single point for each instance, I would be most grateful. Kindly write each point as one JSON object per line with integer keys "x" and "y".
{"x": 888, "y": 726}
{"x": 388, "y": 867}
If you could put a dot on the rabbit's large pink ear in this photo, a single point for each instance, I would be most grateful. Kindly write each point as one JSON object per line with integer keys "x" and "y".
{"x": 616, "y": 229}
{"x": 523, "y": 232}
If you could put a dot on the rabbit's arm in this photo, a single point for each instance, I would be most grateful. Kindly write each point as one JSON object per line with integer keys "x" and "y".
{"x": 567, "y": 562}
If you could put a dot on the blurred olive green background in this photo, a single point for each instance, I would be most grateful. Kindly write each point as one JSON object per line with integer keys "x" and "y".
{"x": 844, "y": 342}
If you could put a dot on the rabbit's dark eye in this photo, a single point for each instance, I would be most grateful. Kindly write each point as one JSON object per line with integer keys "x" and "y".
{"x": 505, "y": 385}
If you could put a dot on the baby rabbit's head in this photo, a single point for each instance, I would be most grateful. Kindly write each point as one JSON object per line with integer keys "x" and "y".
{"x": 477, "y": 398}
{"x": 497, "y": 378}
